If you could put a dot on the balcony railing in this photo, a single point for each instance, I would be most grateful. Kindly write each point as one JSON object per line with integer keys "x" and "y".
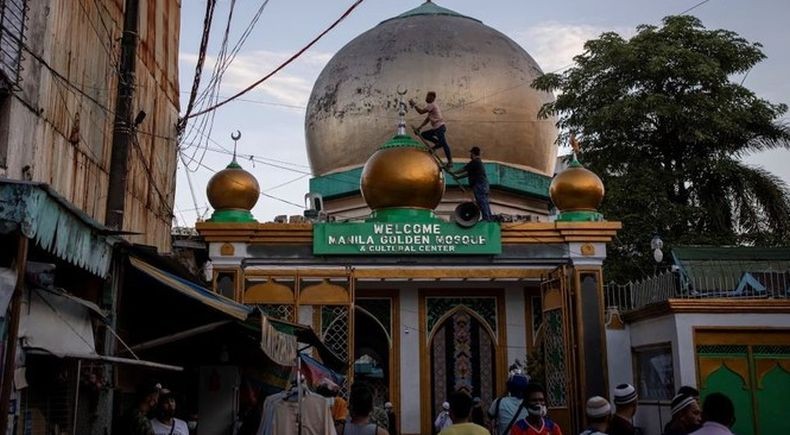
{"x": 757, "y": 284}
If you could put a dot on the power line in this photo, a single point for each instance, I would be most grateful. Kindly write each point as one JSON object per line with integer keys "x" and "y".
{"x": 283, "y": 65}
{"x": 207, "y": 19}
{"x": 694, "y": 7}
{"x": 285, "y": 201}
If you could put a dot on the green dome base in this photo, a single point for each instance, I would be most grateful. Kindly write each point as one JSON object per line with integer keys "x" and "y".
{"x": 580, "y": 216}
{"x": 403, "y": 214}
{"x": 232, "y": 216}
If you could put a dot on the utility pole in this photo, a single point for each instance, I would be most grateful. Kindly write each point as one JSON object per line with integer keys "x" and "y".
{"x": 123, "y": 129}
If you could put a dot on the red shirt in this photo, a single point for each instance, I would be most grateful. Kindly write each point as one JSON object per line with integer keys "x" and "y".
{"x": 547, "y": 427}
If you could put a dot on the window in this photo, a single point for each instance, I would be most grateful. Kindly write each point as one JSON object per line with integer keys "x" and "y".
{"x": 226, "y": 284}
{"x": 654, "y": 372}
{"x": 12, "y": 33}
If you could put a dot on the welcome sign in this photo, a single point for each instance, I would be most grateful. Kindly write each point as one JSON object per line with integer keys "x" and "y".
{"x": 406, "y": 238}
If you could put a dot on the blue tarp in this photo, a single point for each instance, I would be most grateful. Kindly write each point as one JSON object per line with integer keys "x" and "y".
{"x": 193, "y": 290}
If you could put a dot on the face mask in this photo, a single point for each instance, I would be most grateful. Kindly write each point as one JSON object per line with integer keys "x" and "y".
{"x": 192, "y": 425}
{"x": 537, "y": 410}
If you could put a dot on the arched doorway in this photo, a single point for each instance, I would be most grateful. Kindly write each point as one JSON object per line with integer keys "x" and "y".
{"x": 463, "y": 357}
{"x": 372, "y": 347}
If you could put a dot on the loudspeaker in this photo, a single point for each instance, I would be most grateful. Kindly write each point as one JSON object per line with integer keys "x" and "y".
{"x": 466, "y": 214}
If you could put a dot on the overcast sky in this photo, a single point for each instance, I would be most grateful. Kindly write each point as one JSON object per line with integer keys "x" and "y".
{"x": 271, "y": 119}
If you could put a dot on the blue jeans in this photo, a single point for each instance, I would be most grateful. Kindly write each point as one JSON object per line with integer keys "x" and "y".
{"x": 480, "y": 191}
{"x": 437, "y": 137}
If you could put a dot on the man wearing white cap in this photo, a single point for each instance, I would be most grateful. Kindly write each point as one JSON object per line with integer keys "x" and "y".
{"x": 686, "y": 413}
{"x": 625, "y": 399}
{"x": 598, "y": 411}
{"x": 391, "y": 423}
{"x": 443, "y": 420}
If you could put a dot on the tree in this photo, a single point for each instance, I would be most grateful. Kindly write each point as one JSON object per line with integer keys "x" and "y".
{"x": 665, "y": 127}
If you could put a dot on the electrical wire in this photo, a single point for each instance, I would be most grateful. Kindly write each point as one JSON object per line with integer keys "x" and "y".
{"x": 283, "y": 65}
{"x": 207, "y": 19}
{"x": 694, "y": 7}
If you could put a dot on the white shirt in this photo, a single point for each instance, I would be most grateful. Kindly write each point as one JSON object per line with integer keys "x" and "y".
{"x": 442, "y": 421}
{"x": 712, "y": 428}
{"x": 180, "y": 427}
{"x": 507, "y": 407}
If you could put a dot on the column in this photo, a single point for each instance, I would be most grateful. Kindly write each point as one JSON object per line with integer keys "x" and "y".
{"x": 409, "y": 362}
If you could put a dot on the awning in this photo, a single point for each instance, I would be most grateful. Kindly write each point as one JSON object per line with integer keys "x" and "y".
{"x": 56, "y": 323}
{"x": 279, "y": 341}
{"x": 58, "y": 227}
{"x": 193, "y": 290}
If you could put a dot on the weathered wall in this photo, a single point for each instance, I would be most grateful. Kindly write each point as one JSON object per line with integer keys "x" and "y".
{"x": 80, "y": 40}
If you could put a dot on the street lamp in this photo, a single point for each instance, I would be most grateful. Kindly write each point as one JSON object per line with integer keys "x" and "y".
{"x": 656, "y": 244}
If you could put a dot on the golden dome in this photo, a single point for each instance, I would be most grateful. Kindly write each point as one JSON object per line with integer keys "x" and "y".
{"x": 233, "y": 188}
{"x": 402, "y": 174}
{"x": 576, "y": 189}
{"x": 482, "y": 79}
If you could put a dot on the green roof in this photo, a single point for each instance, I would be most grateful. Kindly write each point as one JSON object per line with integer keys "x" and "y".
{"x": 516, "y": 180}
{"x": 430, "y": 8}
{"x": 720, "y": 253}
{"x": 721, "y": 268}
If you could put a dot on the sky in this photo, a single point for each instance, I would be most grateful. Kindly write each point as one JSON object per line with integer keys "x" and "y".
{"x": 271, "y": 117}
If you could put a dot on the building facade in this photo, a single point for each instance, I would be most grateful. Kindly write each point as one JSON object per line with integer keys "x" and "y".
{"x": 424, "y": 303}
{"x": 718, "y": 322}
{"x": 59, "y": 102}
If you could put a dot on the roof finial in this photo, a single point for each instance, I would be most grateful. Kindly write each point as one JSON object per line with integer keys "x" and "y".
{"x": 235, "y": 136}
{"x": 401, "y": 112}
{"x": 575, "y": 146}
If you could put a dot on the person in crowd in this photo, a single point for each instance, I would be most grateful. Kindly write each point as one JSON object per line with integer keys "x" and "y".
{"x": 391, "y": 419}
{"x": 507, "y": 409}
{"x": 460, "y": 410}
{"x": 537, "y": 421}
{"x": 477, "y": 416}
{"x": 443, "y": 420}
{"x": 686, "y": 415}
{"x": 625, "y": 399}
{"x": 360, "y": 406}
{"x": 598, "y": 412}
{"x": 689, "y": 391}
{"x": 165, "y": 422}
{"x": 438, "y": 131}
{"x": 718, "y": 413}
{"x": 251, "y": 410}
{"x": 338, "y": 405}
{"x": 137, "y": 422}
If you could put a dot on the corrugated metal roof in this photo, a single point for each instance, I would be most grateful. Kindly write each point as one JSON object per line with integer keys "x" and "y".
{"x": 746, "y": 253}
{"x": 41, "y": 214}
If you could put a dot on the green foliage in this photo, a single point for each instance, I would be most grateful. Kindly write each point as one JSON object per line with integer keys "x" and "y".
{"x": 665, "y": 126}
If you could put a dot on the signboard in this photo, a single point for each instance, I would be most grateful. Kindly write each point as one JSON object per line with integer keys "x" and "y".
{"x": 406, "y": 238}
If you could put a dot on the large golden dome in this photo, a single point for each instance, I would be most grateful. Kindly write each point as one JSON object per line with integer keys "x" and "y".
{"x": 576, "y": 189}
{"x": 481, "y": 76}
{"x": 402, "y": 174}
{"x": 233, "y": 188}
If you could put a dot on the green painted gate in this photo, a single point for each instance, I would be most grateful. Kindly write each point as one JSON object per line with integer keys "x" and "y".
{"x": 756, "y": 378}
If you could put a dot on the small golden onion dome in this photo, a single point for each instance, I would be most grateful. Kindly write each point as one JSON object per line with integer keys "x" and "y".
{"x": 576, "y": 189}
{"x": 233, "y": 188}
{"x": 402, "y": 174}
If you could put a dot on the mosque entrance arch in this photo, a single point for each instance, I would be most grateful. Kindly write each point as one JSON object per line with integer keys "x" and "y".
{"x": 462, "y": 349}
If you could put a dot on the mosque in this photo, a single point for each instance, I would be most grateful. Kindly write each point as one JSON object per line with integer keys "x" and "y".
{"x": 426, "y": 303}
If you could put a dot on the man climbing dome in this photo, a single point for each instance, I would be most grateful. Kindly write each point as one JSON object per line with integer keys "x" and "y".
{"x": 436, "y": 134}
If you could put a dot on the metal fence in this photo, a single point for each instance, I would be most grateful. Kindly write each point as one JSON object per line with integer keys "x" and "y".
{"x": 765, "y": 284}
